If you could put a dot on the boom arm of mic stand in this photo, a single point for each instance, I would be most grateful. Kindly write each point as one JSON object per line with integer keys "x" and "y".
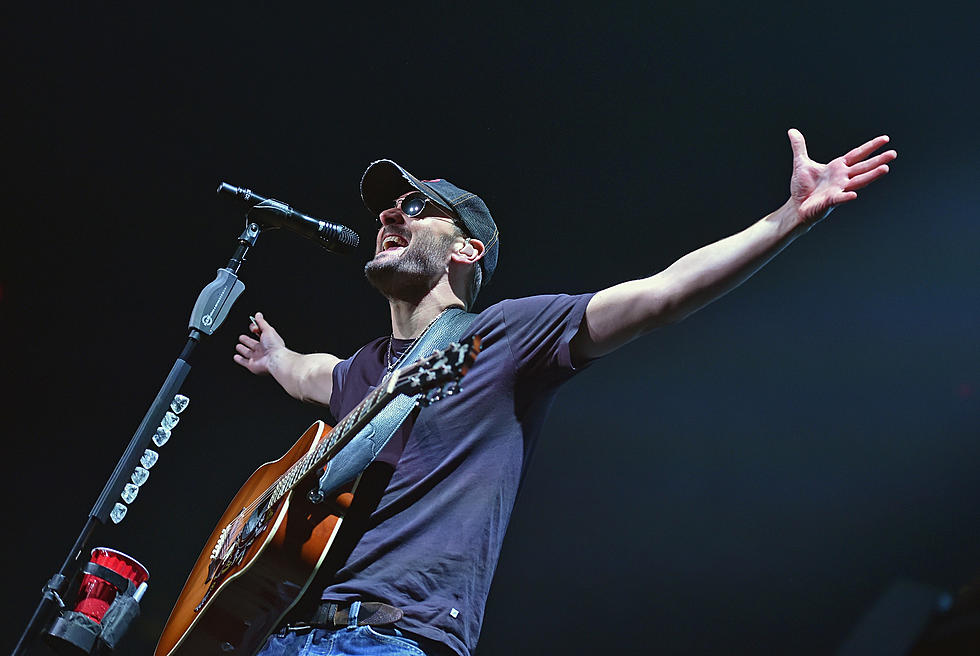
{"x": 210, "y": 310}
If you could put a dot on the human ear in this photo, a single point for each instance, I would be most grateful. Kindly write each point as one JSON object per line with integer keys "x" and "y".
{"x": 470, "y": 251}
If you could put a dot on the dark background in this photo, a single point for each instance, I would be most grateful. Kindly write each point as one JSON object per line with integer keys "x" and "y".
{"x": 746, "y": 482}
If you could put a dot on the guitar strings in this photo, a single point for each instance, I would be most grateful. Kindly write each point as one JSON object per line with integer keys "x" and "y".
{"x": 335, "y": 435}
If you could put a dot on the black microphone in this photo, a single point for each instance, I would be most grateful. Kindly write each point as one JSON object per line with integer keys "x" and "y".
{"x": 271, "y": 213}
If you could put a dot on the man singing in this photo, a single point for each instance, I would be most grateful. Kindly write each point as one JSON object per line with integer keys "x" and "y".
{"x": 418, "y": 562}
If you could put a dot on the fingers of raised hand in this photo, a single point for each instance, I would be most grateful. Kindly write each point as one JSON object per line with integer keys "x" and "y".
{"x": 248, "y": 341}
{"x": 863, "y": 180}
{"x": 861, "y": 169}
{"x": 243, "y": 350}
{"x": 872, "y": 163}
{"x": 865, "y": 149}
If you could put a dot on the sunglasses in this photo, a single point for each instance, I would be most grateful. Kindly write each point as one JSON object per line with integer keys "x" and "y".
{"x": 414, "y": 204}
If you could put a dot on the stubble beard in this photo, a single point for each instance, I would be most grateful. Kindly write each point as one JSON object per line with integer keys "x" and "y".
{"x": 411, "y": 275}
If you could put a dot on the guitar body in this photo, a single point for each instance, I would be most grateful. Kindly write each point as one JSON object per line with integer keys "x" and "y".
{"x": 258, "y": 582}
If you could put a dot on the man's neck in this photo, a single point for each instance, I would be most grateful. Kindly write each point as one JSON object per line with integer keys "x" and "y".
{"x": 409, "y": 320}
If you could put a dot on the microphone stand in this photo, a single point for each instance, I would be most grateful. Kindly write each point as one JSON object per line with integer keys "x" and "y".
{"x": 210, "y": 310}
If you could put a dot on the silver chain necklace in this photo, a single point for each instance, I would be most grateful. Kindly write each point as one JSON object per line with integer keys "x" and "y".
{"x": 393, "y": 363}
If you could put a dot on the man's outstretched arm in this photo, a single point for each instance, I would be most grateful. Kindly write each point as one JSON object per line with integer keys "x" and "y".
{"x": 307, "y": 377}
{"x": 621, "y": 313}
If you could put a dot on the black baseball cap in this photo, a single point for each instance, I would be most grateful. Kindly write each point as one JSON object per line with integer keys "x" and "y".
{"x": 384, "y": 181}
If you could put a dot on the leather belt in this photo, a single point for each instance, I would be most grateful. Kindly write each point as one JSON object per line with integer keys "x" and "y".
{"x": 336, "y": 615}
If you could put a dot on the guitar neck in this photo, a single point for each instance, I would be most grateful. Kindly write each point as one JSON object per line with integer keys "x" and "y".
{"x": 355, "y": 421}
{"x": 339, "y": 436}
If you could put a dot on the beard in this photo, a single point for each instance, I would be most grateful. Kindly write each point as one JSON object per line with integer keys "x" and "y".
{"x": 412, "y": 274}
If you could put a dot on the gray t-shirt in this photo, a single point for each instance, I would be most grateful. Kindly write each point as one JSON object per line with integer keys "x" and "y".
{"x": 431, "y": 543}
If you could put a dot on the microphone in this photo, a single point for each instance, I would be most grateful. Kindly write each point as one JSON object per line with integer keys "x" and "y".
{"x": 271, "y": 213}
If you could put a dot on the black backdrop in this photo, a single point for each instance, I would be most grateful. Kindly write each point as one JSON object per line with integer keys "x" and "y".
{"x": 748, "y": 481}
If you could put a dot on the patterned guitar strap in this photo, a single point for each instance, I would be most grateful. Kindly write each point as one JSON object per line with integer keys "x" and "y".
{"x": 367, "y": 444}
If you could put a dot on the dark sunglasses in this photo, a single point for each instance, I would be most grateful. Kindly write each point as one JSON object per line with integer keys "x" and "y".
{"x": 414, "y": 204}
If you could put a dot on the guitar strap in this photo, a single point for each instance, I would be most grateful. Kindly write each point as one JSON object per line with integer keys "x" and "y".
{"x": 350, "y": 461}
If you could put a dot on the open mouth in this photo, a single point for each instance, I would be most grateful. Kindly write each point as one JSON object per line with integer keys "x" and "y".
{"x": 393, "y": 242}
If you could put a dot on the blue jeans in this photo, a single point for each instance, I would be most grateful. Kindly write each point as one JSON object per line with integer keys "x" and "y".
{"x": 351, "y": 641}
{"x": 359, "y": 641}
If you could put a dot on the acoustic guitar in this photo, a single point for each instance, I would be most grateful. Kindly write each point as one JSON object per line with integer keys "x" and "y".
{"x": 271, "y": 541}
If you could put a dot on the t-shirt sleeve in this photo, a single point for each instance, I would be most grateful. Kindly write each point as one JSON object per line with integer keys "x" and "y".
{"x": 355, "y": 377}
{"x": 540, "y": 329}
{"x": 336, "y": 395}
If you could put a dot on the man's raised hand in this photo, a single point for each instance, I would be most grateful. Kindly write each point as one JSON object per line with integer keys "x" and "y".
{"x": 817, "y": 188}
{"x": 254, "y": 354}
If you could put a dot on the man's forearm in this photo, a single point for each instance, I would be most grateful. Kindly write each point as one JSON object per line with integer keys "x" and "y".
{"x": 307, "y": 377}
{"x": 712, "y": 271}
{"x": 623, "y": 312}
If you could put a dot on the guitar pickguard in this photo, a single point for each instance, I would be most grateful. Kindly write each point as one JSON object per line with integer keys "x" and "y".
{"x": 224, "y": 558}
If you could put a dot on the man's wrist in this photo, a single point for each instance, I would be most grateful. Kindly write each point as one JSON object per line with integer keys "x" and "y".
{"x": 789, "y": 220}
{"x": 277, "y": 360}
